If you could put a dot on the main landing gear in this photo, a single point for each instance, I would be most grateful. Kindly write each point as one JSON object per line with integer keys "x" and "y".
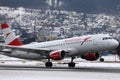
{"x": 71, "y": 64}
{"x": 48, "y": 64}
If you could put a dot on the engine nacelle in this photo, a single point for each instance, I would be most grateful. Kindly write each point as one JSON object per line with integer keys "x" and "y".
{"x": 57, "y": 55}
{"x": 91, "y": 56}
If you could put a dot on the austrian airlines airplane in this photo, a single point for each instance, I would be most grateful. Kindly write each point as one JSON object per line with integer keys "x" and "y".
{"x": 87, "y": 47}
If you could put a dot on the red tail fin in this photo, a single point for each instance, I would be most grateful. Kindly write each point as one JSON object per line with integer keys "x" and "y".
{"x": 10, "y": 38}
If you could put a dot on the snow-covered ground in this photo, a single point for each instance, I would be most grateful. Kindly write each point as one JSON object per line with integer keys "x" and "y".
{"x": 110, "y": 61}
{"x": 85, "y": 70}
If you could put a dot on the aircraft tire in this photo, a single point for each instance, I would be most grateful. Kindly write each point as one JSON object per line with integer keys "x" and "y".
{"x": 101, "y": 59}
{"x": 71, "y": 65}
{"x": 48, "y": 64}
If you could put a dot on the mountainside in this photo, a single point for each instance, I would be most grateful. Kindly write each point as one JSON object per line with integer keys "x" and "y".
{"x": 90, "y": 6}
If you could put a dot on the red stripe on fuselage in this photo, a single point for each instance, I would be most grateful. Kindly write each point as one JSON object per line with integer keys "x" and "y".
{"x": 85, "y": 40}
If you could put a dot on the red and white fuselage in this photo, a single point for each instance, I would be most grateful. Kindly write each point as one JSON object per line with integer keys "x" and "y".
{"x": 69, "y": 47}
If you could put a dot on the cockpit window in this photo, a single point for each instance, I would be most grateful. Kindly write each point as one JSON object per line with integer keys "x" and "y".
{"x": 106, "y": 38}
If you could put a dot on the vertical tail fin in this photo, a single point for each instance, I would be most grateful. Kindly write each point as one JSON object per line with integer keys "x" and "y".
{"x": 9, "y": 36}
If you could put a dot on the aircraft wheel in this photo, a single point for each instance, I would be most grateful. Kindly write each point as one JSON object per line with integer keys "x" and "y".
{"x": 101, "y": 59}
{"x": 71, "y": 65}
{"x": 48, "y": 64}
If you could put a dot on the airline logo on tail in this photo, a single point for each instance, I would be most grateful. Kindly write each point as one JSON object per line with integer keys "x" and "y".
{"x": 9, "y": 36}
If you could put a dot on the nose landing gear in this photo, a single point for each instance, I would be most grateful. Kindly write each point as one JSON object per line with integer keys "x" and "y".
{"x": 101, "y": 59}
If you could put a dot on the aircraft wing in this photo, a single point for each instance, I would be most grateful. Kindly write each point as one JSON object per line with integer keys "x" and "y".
{"x": 22, "y": 48}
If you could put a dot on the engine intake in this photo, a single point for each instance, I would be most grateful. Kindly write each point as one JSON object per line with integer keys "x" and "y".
{"x": 57, "y": 55}
{"x": 91, "y": 56}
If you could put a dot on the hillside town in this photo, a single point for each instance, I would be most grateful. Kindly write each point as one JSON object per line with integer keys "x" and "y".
{"x": 44, "y": 25}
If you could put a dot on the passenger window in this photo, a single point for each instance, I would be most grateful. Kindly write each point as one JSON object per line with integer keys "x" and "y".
{"x": 105, "y": 38}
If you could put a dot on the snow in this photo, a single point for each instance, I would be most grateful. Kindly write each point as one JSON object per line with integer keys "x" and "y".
{"x": 110, "y": 62}
{"x": 98, "y": 65}
{"x": 85, "y": 70}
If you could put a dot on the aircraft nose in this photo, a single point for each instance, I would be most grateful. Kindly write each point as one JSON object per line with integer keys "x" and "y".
{"x": 115, "y": 43}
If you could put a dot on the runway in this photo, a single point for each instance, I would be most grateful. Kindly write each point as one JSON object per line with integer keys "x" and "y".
{"x": 58, "y": 73}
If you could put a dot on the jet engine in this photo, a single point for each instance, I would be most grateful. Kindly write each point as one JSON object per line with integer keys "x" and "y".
{"x": 91, "y": 56}
{"x": 57, "y": 55}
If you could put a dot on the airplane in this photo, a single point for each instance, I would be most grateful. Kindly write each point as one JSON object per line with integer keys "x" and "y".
{"x": 87, "y": 47}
